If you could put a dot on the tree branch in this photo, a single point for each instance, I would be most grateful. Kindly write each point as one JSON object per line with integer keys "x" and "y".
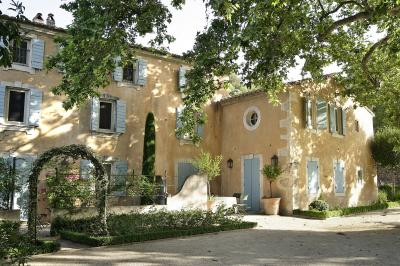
{"x": 336, "y": 9}
{"x": 344, "y": 21}
{"x": 367, "y": 56}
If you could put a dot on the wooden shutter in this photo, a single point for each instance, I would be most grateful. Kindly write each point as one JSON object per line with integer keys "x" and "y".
{"x": 200, "y": 130}
{"x": 322, "y": 117}
{"x": 185, "y": 169}
{"x": 120, "y": 125}
{"x": 312, "y": 175}
{"x": 35, "y": 102}
{"x": 85, "y": 169}
{"x": 332, "y": 118}
{"x": 344, "y": 129}
{"x": 178, "y": 125}
{"x": 2, "y": 101}
{"x": 181, "y": 78}
{"x": 118, "y": 70}
{"x": 119, "y": 174}
{"x": 95, "y": 113}
{"x": 37, "y": 55}
{"x": 339, "y": 176}
{"x": 308, "y": 113}
{"x": 141, "y": 72}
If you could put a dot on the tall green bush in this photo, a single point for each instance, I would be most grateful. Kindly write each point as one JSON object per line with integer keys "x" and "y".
{"x": 149, "y": 148}
{"x": 271, "y": 173}
{"x": 386, "y": 147}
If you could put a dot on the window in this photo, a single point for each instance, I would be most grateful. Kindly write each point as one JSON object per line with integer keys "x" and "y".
{"x": 337, "y": 120}
{"x": 339, "y": 177}
{"x": 312, "y": 177}
{"x": 322, "y": 114}
{"x": 20, "y": 53}
{"x": 251, "y": 118}
{"x": 106, "y": 121}
{"x": 357, "y": 126}
{"x": 16, "y": 106}
{"x": 129, "y": 73}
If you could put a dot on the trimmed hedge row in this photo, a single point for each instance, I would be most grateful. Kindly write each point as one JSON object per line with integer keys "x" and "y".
{"x": 345, "y": 211}
{"x": 97, "y": 241}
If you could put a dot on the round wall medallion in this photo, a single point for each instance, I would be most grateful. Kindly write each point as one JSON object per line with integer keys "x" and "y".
{"x": 252, "y": 118}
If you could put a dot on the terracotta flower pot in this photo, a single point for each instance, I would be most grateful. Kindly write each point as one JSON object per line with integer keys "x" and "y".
{"x": 271, "y": 205}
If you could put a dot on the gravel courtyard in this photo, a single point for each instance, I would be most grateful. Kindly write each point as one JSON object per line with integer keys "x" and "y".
{"x": 368, "y": 239}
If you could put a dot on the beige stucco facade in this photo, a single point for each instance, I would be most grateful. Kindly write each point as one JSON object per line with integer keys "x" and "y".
{"x": 279, "y": 132}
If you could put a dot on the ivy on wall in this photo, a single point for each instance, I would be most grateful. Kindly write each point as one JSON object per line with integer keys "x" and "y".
{"x": 149, "y": 148}
{"x": 75, "y": 152}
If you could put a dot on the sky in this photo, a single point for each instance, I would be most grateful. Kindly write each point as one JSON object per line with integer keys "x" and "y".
{"x": 184, "y": 26}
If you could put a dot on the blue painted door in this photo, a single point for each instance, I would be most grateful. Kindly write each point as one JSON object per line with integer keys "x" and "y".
{"x": 252, "y": 183}
{"x": 185, "y": 169}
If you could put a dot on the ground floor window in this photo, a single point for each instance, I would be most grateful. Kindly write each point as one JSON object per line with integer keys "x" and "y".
{"x": 312, "y": 176}
{"x": 106, "y": 118}
{"x": 338, "y": 171}
{"x": 16, "y": 105}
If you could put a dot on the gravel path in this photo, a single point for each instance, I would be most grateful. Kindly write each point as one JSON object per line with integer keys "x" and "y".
{"x": 369, "y": 239}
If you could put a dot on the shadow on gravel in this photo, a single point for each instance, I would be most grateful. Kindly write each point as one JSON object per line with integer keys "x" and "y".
{"x": 248, "y": 247}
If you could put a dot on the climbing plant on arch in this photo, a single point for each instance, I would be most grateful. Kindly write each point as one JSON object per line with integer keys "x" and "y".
{"x": 75, "y": 152}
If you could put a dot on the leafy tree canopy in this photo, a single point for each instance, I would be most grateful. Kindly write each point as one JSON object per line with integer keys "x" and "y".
{"x": 386, "y": 147}
{"x": 10, "y": 32}
{"x": 362, "y": 37}
{"x": 101, "y": 31}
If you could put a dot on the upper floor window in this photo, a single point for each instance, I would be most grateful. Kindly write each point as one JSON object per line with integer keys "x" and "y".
{"x": 108, "y": 115}
{"x": 21, "y": 53}
{"x": 357, "y": 125}
{"x": 19, "y": 105}
{"x": 129, "y": 73}
{"x": 251, "y": 118}
{"x": 16, "y": 105}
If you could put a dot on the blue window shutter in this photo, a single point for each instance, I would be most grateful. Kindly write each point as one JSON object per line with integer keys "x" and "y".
{"x": 343, "y": 121}
{"x": 120, "y": 124}
{"x": 332, "y": 119}
{"x": 37, "y": 55}
{"x": 2, "y": 101}
{"x": 118, "y": 70}
{"x": 141, "y": 72}
{"x": 178, "y": 112}
{"x": 35, "y": 102}
{"x": 185, "y": 169}
{"x": 181, "y": 78}
{"x": 95, "y": 113}
{"x": 308, "y": 113}
{"x": 322, "y": 117}
{"x": 200, "y": 130}
{"x": 85, "y": 169}
{"x": 119, "y": 176}
{"x": 312, "y": 172}
{"x": 23, "y": 167}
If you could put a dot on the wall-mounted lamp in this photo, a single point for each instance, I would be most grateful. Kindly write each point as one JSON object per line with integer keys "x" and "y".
{"x": 274, "y": 160}
{"x": 229, "y": 163}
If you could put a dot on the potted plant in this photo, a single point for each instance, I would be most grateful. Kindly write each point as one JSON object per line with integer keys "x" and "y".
{"x": 271, "y": 204}
{"x": 210, "y": 167}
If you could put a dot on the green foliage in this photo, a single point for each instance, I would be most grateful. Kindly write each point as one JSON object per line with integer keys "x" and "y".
{"x": 7, "y": 184}
{"x": 15, "y": 248}
{"x": 382, "y": 197}
{"x": 319, "y": 205}
{"x": 208, "y": 165}
{"x": 74, "y": 152}
{"x": 345, "y": 211}
{"x": 149, "y": 235}
{"x": 143, "y": 186}
{"x": 261, "y": 41}
{"x": 155, "y": 220}
{"x": 136, "y": 227}
{"x": 271, "y": 173}
{"x": 386, "y": 147}
{"x": 149, "y": 148}
{"x": 392, "y": 193}
{"x": 101, "y": 31}
{"x": 10, "y": 32}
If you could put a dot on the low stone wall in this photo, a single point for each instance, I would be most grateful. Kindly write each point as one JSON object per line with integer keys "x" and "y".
{"x": 12, "y": 215}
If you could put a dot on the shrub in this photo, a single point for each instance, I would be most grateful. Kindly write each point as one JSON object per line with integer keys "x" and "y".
{"x": 386, "y": 147}
{"x": 149, "y": 147}
{"x": 319, "y": 205}
{"x": 271, "y": 173}
{"x": 382, "y": 196}
{"x": 208, "y": 166}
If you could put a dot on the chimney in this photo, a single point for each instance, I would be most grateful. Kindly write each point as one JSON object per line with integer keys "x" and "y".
{"x": 50, "y": 20}
{"x": 38, "y": 18}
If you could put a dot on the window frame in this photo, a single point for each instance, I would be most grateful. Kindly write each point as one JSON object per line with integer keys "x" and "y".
{"x": 134, "y": 74}
{"x": 247, "y": 118}
{"x": 113, "y": 116}
{"x": 28, "y": 53}
{"x": 7, "y": 105}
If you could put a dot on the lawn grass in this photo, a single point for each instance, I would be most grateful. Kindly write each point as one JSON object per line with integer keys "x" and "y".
{"x": 96, "y": 241}
{"x": 345, "y": 211}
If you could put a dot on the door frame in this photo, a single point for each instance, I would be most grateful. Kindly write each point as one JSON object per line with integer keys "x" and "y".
{"x": 252, "y": 156}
